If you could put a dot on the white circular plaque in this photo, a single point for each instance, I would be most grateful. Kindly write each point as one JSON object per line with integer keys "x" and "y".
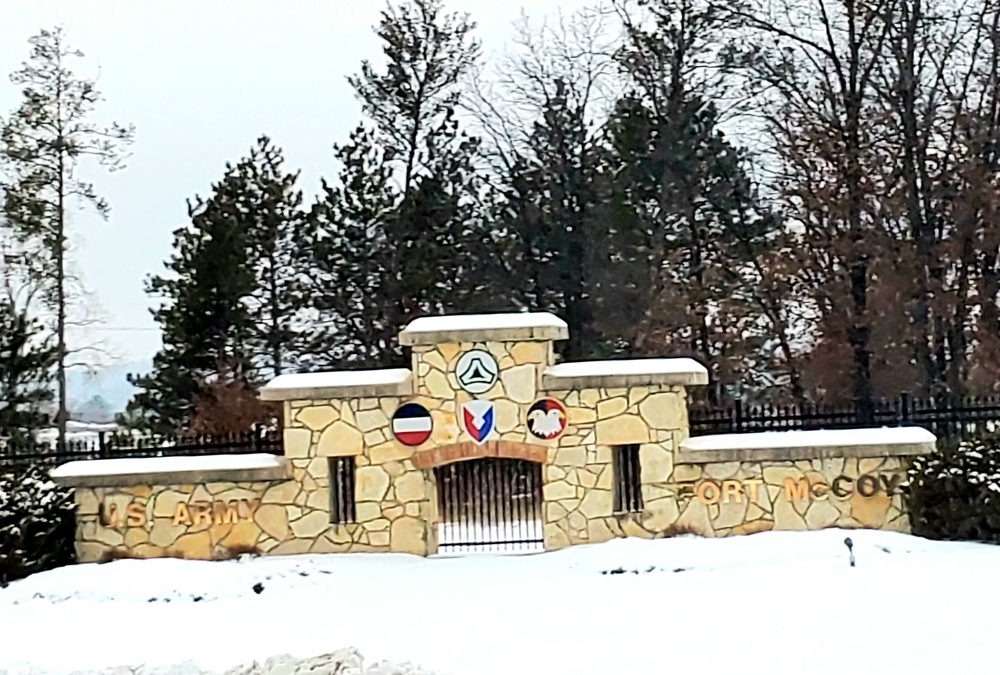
{"x": 477, "y": 371}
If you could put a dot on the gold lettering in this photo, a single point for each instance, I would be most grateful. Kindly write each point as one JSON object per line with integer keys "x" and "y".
{"x": 867, "y": 485}
{"x": 891, "y": 483}
{"x": 250, "y": 508}
{"x": 731, "y": 490}
{"x": 227, "y": 514}
{"x": 796, "y": 491}
{"x": 182, "y": 516}
{"x": 752, "y": 487}
{"x": 839, "y": 490}
{"x": 202, "y": 513}
{"x": 820, "y": 491}
{"x": 703, "y": 496}
{"x": 109, "y": 514}
{"x": 136, "y": 515}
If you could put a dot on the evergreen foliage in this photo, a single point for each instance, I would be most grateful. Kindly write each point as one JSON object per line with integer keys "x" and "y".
{"x": 41, "y": 145}
{"x": 349, "y": 247}
{"x": 692, "y": 223}
{"x": 955, "y": 493}
{"x": 270, "y": 206}
{"x": 552, "y": 198}
{"x": 403, "y": 233}
{"x": 27, "y": 362}
{"x": 204, "y": 320}
{"x": 37, "y": 524}
{"x": 232, "y": 293}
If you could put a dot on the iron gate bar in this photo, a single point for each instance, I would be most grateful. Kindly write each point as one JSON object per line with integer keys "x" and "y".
{"x": 491, "y": 504}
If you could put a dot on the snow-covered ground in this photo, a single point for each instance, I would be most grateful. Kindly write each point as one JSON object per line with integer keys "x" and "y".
{"x": 767, "y": 603}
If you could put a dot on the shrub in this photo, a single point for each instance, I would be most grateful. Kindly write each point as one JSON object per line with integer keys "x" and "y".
{"x": 37, "y": 524}
{"x": 955, "y": 493}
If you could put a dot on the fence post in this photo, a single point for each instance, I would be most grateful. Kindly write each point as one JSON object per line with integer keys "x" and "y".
{"x": 864, "y": 412}
{"x": 102, "y": 445}
{"x": 905, "y": 409}
{"x": 738, "y": 416}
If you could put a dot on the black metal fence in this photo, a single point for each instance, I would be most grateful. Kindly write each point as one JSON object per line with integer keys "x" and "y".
{"x": 951, "y": 417}
{"x": 117, "y": 445}
{"x": 489, "y": 504}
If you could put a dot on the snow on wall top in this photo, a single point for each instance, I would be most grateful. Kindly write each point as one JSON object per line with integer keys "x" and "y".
{"x": 806, "y": 445}
{"x": 339, "y": 384}
{"x": 432, "y": 330}
{"x": 624, "y": 373}
{"x": 173, "y": 470}
{"x": 813, "y": 439}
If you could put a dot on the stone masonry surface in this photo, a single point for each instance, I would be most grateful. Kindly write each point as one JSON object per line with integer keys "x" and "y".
{"x": 394, "y": 485}
{"x": 792, "y": 495}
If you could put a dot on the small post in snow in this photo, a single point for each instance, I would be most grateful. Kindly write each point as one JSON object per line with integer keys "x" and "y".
{"x": 850, "y": 549}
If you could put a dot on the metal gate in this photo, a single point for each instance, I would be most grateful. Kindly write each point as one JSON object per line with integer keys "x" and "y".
{"x": 489, "y": 504}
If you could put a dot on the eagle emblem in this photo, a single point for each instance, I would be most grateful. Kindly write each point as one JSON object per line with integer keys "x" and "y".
{"x": 547, "y": 419}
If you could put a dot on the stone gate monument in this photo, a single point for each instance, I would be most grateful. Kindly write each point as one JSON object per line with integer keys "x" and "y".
{"x": 549, "y": 453}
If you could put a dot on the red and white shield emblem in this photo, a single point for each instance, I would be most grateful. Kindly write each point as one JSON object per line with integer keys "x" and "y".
{"x": 477, "y": 418}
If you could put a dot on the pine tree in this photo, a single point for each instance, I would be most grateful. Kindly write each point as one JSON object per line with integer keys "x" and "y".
{"x": 389, "y": 252}
{"x": 27, "y": 362}
{"x": 41, "y": 145}
{"x": 350, "y": 252}
{"x": 271, "y": 211}
{"x": 688, "y": 214}
{"x": 543, "y": 112}
{"x": 206, "y": 326}
{"x": 235, "y": 292}
{"x": 552, "y": 205}
{"x": 695, "y": 222}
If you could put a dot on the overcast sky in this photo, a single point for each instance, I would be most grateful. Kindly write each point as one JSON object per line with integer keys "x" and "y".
{"x": 201, "y": 80}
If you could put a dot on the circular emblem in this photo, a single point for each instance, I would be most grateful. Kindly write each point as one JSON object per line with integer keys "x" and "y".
{"x": 477, "y": 371}
{"x": 547, "y": 419}
{"x": 411, "y": 424}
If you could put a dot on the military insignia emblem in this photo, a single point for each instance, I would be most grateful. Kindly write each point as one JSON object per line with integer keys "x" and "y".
{"x": 547, "y": 419}
{"x": 412, "y": 424}
{"x": 477, "y": 371}
{"x": 478, "y": 419}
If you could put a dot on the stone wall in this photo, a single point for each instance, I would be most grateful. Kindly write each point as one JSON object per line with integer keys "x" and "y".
{"x": 745, "y": 497}
{"x": 579, "y": 478}
{"x": 634, "y": 403}
{"x": 208, "y": 521}
{"x": 392, "y": 497}
{"x": 521, "y": 365}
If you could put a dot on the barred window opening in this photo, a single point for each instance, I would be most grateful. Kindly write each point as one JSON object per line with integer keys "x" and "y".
{"x": 342, "y": 490}
{"x": 628, "y": 479}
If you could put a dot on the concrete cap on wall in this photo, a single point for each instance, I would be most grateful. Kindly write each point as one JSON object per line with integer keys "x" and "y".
{"x": 804, "y": 445}
{"x": 174, "y": 470}
{"x": 515, "y": 326}
{"x": 613, "y": 373}
{"x": 339, "y": 384}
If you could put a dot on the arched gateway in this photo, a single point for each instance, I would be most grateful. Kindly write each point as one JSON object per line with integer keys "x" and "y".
{"x": 489, "y": 504}
{"x": 489, "y": 495}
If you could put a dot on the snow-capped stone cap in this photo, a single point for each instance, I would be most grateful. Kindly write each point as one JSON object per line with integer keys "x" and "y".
{"x": 624, "y": 373}
{"x": 807, "y": 445}
{"x": 509, "y": 327}
{"x": 339, "y": 384}
{"x": 176, "y": 470}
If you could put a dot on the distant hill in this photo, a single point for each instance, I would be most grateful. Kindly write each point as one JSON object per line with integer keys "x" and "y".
{"x": 99, "y": 395}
